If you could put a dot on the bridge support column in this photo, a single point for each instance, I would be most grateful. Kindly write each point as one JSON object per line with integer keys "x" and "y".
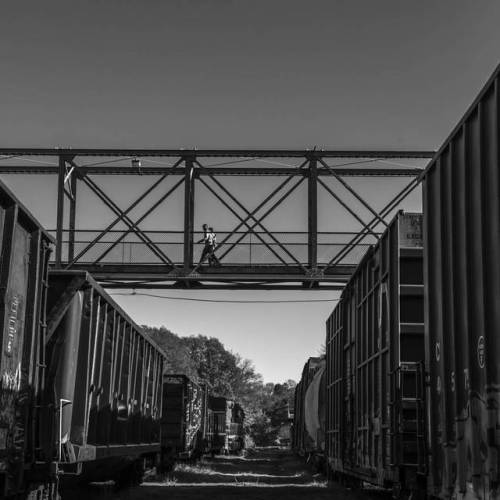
{"x": 312, "y": 215}
{"x": 188, "y": 214}
{"x": 67, "y": 176}
{"x": 60, "y": 210}
{"x": 73, "y": 183}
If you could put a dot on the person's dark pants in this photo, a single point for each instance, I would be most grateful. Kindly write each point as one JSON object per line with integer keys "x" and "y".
{"x": 207, "y": 251}
{"x": 212, "y": 259}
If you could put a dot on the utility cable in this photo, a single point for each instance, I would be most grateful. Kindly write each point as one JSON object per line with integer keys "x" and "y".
{"x": 222, "y": 301}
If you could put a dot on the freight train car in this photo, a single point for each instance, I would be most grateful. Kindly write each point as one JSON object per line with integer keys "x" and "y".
{"x": 104, "y": 382}
{"x": 281, "y": 424}
{"x": 462, "y": 275}
{"x": 225, "y": 431}
{"x": 309, "y": 413}
{"x": 375, "y": 350}
{"x": 183, "y": 419}
{"x": 236, "y": 438}
{"x": 25, "y": 452}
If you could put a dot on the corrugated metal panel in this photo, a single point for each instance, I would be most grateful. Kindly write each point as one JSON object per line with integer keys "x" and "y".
{"x": 375, "y": 350}
{"x": 462, "y": 273}
{"x": 101, "y": 362}
{"x": 24, "y": 247}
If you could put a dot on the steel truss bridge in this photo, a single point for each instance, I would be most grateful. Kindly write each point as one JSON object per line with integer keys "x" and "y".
{"x": 167, "y": 258}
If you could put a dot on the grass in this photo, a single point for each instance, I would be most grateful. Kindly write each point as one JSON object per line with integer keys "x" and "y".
{"x": 246, "y": 484}
{"x": 200, "y": 469}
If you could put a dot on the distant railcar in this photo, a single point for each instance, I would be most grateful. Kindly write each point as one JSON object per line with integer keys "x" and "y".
{"x": 26, "y": 450}
{"x": 105, "y": 378}
{"x": 374, "y": 364}
{"x": 308, "y": 432}
{"x": 225, "y": 431}
{"x": 236, "y": 438}
{"x": 281, "y": 423}
{"x": 183, "y": 419}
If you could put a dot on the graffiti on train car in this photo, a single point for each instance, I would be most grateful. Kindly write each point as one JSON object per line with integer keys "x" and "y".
{"x": 12, "y": 324}
{"x": 11, "y": 379}
{"x": 196, "y": 418}
{"x": 12, "y": 433}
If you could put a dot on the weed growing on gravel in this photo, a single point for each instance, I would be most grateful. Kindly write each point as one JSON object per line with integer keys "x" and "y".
{"x": 194, "y": 469}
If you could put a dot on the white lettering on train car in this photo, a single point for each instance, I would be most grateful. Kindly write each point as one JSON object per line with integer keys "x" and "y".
{"x": 480, "y": 351}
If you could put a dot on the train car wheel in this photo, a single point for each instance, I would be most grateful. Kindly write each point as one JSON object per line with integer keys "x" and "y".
{"x": 132, "y": 475}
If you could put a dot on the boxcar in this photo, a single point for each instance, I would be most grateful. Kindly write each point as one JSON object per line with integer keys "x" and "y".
{"x": 462, "y": 302}
{"x": 375, "y": 352}
{"x": 25, "y": 453}
{"x": 104, "y": 378}
{"x": 309, "y": 403}
{"x": 183, "y": 419}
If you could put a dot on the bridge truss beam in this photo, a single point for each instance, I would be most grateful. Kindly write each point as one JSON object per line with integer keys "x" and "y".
{"x": 192, "y": 167}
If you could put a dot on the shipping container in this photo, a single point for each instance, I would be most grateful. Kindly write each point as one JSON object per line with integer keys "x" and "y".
{"x": 25, "y": 453}
{"x": 104, "y": 377}
{"x": 302, "y": 442}
{"x": 461, "y": 190}
{"x": 183, "y": 419}
{"x": 374, "y": 364}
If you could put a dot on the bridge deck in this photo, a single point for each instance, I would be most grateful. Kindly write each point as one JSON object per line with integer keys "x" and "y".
{"x": 241, "y": 277}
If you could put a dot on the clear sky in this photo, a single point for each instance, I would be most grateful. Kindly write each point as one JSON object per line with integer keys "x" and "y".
{"x": 237, "y": 73}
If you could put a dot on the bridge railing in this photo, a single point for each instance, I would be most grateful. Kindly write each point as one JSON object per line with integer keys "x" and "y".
{"x": 288, "y": 248}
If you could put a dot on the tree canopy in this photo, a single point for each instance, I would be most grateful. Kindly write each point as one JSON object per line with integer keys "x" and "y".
{"x": 206, "y": 360}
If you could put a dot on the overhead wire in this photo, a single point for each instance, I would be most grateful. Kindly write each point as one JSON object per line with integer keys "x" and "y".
{"x": 273, "y": 162}
{"x": 32, "y": 160}
{"x": 396, "y": 163}
{"x": 223, "y": 301}
{"x": 156, "y": 162}
{"x": 116, "y": 160}
{"x": 232, "y": 162}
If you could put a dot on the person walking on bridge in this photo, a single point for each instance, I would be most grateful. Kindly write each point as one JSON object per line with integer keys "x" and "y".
{"x": 210, "y": 240}
{"x": 212, "y": 259}
{"x": 207, "y": 244}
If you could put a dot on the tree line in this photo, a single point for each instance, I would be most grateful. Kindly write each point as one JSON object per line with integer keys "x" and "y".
{"x": 205, "y": 360}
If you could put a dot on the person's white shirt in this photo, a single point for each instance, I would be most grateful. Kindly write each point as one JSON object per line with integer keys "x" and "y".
{"x": 212, "y": 239}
